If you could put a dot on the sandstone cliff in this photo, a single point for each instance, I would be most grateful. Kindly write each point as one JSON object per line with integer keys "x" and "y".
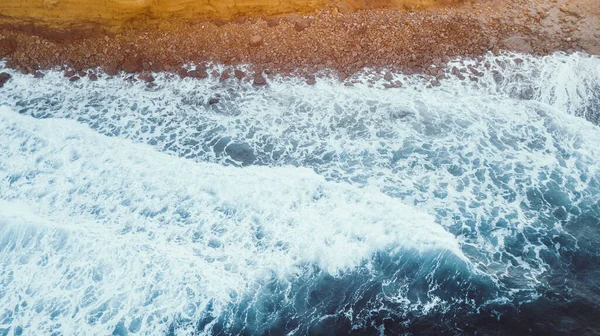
{"x": 60, "y": 13}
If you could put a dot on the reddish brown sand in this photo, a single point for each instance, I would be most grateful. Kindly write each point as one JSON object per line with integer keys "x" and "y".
{"x": 410, "y": 41}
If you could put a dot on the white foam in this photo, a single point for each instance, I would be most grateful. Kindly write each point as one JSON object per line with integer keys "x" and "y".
{"x": 499, "y": 161}
{"x": 104, "y": 227}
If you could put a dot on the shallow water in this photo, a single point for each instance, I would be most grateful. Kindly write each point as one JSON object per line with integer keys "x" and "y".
{"x": 472, "y": 207}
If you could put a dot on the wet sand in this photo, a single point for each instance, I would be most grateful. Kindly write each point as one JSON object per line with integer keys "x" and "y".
{"x": 344, "y": 41}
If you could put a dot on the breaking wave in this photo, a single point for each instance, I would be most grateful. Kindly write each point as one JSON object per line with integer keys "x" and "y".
{"x": 131, "y": 208}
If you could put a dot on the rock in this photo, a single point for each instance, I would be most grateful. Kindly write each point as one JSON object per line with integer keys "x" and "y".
{"x": 272, "y": 21}
{"x": 157, "y": 67}
{"x": 4, "y": 77}
{"x": 225, "y": 76}
{"x": 475, "y": 72}
{"x": 519, "y": 44}
{"x": 255, "y": 41}
{"x": 93, "y": 77}
{"x": 569, "y": 11}
{"x": 38, "y": 74}
{"x": 111, "y": 69}
{"x": 146, "y": 77}
{"x": 259, "y": 80}
{"x": 239, "y": 74}
{"x": 457, "y": 73}
{"x": 197, "y": 74}
{"x": 311, "y": 80}
{"x": 7, "y": 46}
{"x": 213, "y": 101}
{"x": 300, "y": 23}
{"x": 132, "y": 65}
{"x": 182, "y": 73}
{"x": 74, "y": 78}
{"x": 388, "y": 76}
{"x": 70, "y": 73}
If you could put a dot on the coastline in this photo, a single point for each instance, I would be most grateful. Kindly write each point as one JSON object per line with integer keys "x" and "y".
{"x": 345, "y": 42}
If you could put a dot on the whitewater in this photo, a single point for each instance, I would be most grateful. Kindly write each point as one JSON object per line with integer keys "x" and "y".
{"x": 472, "y": 206}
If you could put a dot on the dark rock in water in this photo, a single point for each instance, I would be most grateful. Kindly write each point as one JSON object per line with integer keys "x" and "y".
{"x": 70, "y": 73}
{"x": 388, "y": 76}
{"x": 74, "y": 78}
{"x": 259, "y": 80}
{"x": 213, "y": 101}
{"x": 475, "y": 71}
{"x": 182, "y": 73}
{"x": 146, "y": 77}
{"x": 4, "y": 77}
{"x": 93, "y": 77}
{"x": 198, "y": 74}
{"x": 38, "y": 74}
{"x": 239, "y": 74}
{"x": 225, "y": 76}
{"x": 311, "y": 80}
{"x": 457, "y": 73}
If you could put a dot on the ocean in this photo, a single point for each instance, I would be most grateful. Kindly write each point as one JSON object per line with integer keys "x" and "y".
{"x": 468, "y": 208}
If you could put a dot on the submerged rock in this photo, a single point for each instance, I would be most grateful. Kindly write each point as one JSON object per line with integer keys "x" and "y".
{"x": 4, "y": 77}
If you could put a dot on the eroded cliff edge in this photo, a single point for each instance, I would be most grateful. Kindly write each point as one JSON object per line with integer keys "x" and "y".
{"x": 115, "y": 13}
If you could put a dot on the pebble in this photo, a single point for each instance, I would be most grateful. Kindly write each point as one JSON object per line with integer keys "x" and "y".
{"x": 256, "y": 40}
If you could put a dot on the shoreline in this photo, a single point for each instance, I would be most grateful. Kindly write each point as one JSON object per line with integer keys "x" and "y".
{"x": 396, "y": 40}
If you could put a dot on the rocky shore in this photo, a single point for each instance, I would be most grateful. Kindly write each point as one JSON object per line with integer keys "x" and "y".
{"x": 412, "y": 41}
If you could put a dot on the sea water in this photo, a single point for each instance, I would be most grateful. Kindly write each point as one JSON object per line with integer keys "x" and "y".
{"x": 469, "y": 207}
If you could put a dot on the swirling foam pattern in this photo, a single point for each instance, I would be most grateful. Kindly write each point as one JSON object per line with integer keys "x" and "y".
{"x": 127, "y": 208}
